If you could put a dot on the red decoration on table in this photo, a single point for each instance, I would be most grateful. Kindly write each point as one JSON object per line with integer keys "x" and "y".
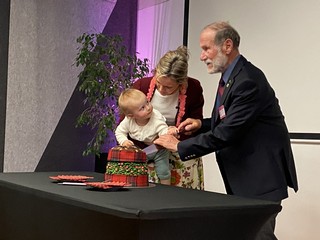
{"x": 71, "y": 178}
{"x": 106, "y": 185}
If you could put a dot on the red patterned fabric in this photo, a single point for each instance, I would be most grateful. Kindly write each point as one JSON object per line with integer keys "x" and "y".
{"x": 124, "y": 154}
{"x": 135, "y": 181}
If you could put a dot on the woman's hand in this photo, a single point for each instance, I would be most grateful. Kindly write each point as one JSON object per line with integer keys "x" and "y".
{"x": 189, "y": 126}
{"x": 172, "y": 130}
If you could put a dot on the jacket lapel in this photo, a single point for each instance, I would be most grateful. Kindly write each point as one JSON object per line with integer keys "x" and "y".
{"x": 231, "y": 80}
{"x": 226, "y": 89}
{"x": 228, "y": 86}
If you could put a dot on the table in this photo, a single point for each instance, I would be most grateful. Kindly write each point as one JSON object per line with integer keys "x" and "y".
{"x": 33, "y": 207}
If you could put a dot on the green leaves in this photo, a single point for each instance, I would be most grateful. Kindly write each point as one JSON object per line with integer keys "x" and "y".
{"x": 107, "y": 70}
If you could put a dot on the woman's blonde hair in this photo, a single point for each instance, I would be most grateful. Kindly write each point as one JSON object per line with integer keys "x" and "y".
{"x": 174, "y": 64}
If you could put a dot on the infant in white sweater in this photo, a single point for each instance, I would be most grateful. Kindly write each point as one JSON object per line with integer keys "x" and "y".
{"x": 145, "y": 124}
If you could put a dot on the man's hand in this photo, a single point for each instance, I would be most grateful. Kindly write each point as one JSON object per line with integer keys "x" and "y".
{"x": 189, "y": 126}
{"x": 167, "y": 141}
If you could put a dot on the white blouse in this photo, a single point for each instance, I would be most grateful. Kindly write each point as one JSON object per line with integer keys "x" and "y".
{"x": 167, "y": 105}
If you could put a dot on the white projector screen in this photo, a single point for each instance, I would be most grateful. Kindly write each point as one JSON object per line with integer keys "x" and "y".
{"x": 280, "y": 37}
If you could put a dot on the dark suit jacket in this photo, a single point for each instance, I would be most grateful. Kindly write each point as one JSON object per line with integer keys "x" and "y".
{"x": 252, "y": 143}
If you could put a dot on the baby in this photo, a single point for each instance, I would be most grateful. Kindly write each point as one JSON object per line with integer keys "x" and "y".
{"x": 145, "y": 124}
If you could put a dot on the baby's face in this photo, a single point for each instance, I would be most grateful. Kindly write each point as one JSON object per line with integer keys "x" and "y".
{"x": 142, "y": 109}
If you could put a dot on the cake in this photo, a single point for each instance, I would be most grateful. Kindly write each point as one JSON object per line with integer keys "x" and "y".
{"x": 127, "y": 164}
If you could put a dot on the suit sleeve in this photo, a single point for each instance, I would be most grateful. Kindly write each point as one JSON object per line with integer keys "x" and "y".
{"x": 242, "y": 108}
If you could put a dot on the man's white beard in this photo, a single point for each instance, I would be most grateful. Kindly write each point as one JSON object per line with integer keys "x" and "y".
{"x": 218, "y": 64}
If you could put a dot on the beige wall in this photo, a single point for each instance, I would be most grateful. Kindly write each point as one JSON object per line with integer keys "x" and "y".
{"x": 280, "y": 37}
{"x": 300, "y": 216}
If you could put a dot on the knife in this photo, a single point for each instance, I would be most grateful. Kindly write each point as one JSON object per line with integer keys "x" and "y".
{"x": 73, "y": 183}
{"x": 150, "y": 149}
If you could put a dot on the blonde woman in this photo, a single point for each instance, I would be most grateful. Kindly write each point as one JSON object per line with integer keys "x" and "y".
{"x": 177, "y": 97}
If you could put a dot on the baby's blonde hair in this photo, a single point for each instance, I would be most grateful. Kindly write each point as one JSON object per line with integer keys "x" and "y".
{"x": 129, "y": 98}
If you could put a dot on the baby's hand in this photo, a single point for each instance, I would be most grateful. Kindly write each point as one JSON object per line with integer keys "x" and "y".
{"x": 173, "y": 131}
{"x": 127, "y": 143}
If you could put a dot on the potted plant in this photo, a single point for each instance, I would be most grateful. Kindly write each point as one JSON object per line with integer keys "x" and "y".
{"x": 108, "y": 69}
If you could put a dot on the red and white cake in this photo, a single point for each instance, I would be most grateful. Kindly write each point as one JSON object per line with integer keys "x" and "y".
{"x": 127, "y": 164}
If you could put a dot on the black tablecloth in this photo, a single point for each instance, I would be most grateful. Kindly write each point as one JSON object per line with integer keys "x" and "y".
{"x": 34, "y": 207}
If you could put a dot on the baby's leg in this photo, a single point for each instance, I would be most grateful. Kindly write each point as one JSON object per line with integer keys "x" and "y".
{"x": 161, "y": 161}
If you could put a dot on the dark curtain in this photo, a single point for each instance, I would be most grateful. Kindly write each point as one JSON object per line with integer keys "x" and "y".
{"x": 123, "y": 21}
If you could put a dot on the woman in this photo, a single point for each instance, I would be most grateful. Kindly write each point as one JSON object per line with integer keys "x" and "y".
{"x": 177, "y": 97}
